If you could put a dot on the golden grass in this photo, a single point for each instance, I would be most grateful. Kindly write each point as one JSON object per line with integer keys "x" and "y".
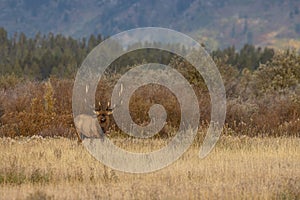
{"x": 238, "y": 168}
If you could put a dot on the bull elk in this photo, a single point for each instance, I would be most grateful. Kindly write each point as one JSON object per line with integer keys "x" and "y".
{"x": 86, "y": 125}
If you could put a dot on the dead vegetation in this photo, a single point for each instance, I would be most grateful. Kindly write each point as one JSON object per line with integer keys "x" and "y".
{"x": 239, "y": 167}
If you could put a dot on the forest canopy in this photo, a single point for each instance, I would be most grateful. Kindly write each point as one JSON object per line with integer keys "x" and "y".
{"x": 43, "y": 56}
{"x": 37, "y": 77}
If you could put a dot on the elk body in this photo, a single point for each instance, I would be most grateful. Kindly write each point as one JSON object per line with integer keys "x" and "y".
{"x": 86, "y": 125}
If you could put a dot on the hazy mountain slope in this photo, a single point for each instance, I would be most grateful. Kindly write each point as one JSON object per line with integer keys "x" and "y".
{"x": 215, "y": 22}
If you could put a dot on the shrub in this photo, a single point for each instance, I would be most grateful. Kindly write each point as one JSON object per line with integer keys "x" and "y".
{"x": 263, "y": 102}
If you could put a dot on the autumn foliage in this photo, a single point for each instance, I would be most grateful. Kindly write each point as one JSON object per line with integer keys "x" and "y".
{"x": 263, "y": 102}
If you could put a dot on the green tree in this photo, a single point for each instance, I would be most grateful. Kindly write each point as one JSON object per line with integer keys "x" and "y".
{"x": 281, "y": 74}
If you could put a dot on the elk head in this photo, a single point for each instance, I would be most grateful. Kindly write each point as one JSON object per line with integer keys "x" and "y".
{"x": 103, "y": 114}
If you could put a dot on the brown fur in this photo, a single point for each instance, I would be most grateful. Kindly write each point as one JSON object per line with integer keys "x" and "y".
{"x": 86, "y": 124}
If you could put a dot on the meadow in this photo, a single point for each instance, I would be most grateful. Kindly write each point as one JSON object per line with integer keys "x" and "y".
{"x": 240, "y": 167}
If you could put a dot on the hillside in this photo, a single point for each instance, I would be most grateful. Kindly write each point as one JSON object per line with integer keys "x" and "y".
{"x": 218, "y": 23}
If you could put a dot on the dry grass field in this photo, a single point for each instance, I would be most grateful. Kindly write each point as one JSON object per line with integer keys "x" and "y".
{"x": 238, "y": 168}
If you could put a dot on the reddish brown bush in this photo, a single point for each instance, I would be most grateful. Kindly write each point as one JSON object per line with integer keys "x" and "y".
{"x": 45, "y": 108}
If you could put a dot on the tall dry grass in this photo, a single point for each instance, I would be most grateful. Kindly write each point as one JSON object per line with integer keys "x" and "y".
{"x": 238, "y": 168}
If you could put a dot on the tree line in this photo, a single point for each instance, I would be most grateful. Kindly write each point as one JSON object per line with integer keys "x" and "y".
{"x": 43, "y": 56}
{"x": 262, "y": 87}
